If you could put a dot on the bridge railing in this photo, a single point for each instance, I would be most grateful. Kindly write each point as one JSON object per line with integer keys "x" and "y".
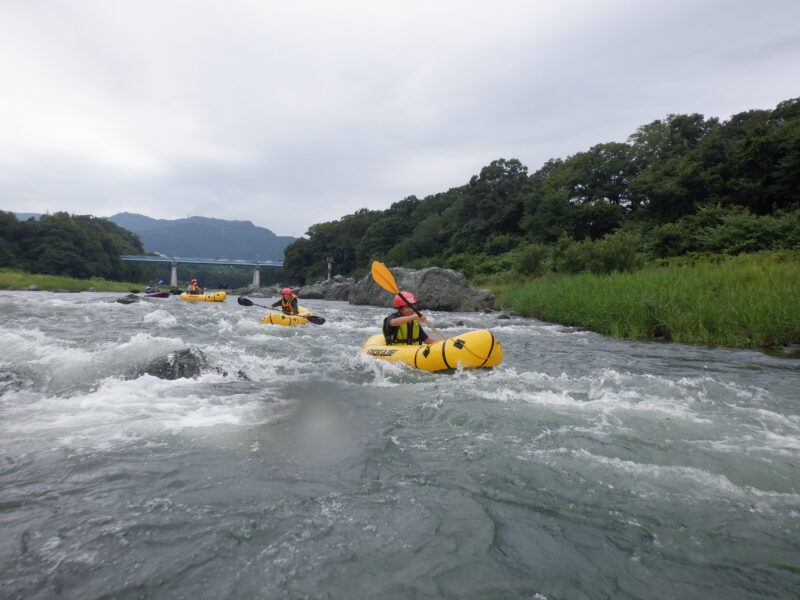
{"x": 201, "y": 261}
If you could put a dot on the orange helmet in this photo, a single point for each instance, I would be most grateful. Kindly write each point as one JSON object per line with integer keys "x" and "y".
{"x": 409, "y": 299}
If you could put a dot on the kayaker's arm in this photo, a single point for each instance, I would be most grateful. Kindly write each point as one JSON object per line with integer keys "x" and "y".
{"x": 397, "y": 321}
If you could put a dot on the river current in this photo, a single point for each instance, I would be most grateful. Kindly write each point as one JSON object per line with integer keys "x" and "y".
{"x": 297, "y": 467}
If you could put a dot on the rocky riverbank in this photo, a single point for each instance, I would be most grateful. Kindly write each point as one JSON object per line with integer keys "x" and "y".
{"x": 435, "y": 289}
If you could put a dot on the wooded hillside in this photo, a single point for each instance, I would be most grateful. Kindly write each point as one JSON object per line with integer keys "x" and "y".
{"x": 684, "y": 184}
{"x": 78, "y": 246}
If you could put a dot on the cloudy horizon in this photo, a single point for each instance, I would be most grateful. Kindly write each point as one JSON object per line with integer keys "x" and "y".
{"x": 287, "y": 116}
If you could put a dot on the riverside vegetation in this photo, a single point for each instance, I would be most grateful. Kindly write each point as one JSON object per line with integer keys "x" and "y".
{"x": 11, "y": 279}
{"x": 738, "y": 301}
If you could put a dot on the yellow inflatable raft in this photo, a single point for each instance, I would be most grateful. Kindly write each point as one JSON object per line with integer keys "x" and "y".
{"x": 207, "y": 297}
{"x": 279, "y": 318}
{"x": 474, "y": 349}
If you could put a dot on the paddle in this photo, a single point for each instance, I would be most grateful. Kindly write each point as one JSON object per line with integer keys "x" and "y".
{"x": 384, "y": 278}
{"x": 312, "y": 318}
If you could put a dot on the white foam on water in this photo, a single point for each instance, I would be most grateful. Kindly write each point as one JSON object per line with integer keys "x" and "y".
{"x": 383, "y": 372}
{"x": 56, "y": 364}
{"x": 699, "y": 483}
{"x": 21, "y": 346}
{"x": 697, "y": 400}
{"x": 123, "y": 411}
{"x": 160, "y": 318}
{"x": 761, "y": 441}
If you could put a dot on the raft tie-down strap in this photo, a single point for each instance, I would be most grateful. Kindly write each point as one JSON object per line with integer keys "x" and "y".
{"x": 444, "y": 354}
{"x": 461, "y": 344}
{"x": 491, "y": 348}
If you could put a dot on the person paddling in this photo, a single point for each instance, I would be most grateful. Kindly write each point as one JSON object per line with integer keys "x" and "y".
{"x": 287, "y": 302}
{"x": 403, "y": 326}
{"x": 194, "y": 288}
{"x": 151, "y": 288}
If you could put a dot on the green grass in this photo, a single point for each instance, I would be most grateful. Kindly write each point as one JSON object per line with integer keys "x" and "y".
{"x": 742, "y": 301}
{"x": 499, "y": 283}
{"x": 20, "y": 280}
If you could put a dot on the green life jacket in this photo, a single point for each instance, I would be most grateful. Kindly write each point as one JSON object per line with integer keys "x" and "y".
{"x": 407, "y": 333}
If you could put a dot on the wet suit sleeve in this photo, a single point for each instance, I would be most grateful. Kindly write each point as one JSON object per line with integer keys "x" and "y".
{"x": 388, "y": 331}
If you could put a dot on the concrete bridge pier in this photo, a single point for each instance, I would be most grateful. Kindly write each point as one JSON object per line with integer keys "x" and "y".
{"x": 256, "y": 276}
{"x": 173, "y": 276}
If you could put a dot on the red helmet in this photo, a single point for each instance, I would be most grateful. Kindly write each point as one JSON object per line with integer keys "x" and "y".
{"x": 194, "y": 280}
{"x": 286, "y": 291}
{"x": 398, "y": 301}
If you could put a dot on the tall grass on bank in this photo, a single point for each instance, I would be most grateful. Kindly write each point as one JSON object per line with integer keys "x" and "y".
{"x": 742, "y": 301}
{"x": 20, "y": 280}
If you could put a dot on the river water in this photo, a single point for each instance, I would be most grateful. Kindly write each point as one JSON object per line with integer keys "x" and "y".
{"x": 297, "y": 467}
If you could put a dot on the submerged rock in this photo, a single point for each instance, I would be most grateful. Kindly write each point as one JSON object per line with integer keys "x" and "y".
{"x": 183, "y": 364}
{"x": 129, "y": 299}
{"x": 188, "y": 363}
{"x": 11, "y": 381}
{"x": 435, "y": 289}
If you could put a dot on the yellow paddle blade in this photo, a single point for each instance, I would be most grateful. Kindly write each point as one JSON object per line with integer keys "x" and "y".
{"x": 384, "y": 278}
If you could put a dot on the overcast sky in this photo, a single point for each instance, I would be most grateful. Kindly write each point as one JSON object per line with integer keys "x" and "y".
{"x": 294, "y": 113}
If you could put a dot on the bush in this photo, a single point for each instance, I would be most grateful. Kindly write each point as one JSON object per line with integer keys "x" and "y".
{"x": 725, "y": 230}
{"x": 463, "y": 263}
{"x": 617, "y": 252}
{"x": 500, "y": 243}
{"x": 614, "y": 252}
{"x": 531, "y": 260}
{"x": 487, "y": 265}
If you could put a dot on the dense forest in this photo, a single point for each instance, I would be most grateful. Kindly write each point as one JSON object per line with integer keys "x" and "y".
{"x": 74, "y": 246}
{"x": 681, "y": 185}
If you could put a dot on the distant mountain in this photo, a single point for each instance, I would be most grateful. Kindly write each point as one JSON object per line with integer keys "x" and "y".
{"x": 202, "y": 237}
{"x": 26, "y": 216}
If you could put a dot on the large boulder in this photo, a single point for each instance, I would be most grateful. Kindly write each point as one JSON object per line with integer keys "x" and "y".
{"x": 271, "y": 291}
{"x": 435, "y": 289}
{"x": 336, "y": 288}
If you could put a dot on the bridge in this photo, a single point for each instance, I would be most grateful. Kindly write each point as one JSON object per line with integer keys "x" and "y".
{"x": 221, "y": 262}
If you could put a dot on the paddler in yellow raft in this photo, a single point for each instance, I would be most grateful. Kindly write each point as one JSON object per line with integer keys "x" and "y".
{"x": 287, "y": 302}
{"x": 404, "y": 340}
{"x": 403, "y": 326}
